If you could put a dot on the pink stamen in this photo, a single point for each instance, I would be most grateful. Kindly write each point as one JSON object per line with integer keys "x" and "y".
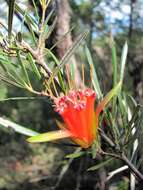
{"x": 75, "y": 99}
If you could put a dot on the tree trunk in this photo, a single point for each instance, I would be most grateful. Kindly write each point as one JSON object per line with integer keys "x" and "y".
{"x": 62, "y": 27}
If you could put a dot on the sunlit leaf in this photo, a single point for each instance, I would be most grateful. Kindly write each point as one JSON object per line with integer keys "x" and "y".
{"x": 114, "y": 61}
{"x": 123, "y": 60}
{"x": 107, "y": 98}
{"x": 16, "y": 127}
{"x": 95, "y": 80}
{"x": 49, "y": 136}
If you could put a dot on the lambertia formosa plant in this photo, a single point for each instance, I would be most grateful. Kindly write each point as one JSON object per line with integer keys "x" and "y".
{"x": 83, "y": 108}
{"x": 80, "y": 119}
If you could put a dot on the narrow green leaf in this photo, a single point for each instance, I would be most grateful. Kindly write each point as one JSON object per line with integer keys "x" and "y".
{"x": 29, "y": 19}
{"x": 49, "y": 136}
{"x": 32, "y": 34}
{"x": 75, "y": 155}
{"x": 72, "y": 70}
{"x": 23, "y": 69}
{"x": 36, "y": 10}
{"x": 33, "y": 66}
{"x": 133, "y": 122}
{"x": 72, "y": 49}
{"x": 61, "y": 81}
{"x": 60, "y": 78}
{"x": 10, "y": 16}
{"x": 62, "y": 38}
{"x": 94, "y": 148}
{"x": 31, "y": 22}
{"x": 114, "y": 61}
{"x": 12, "y": 71}
{"x": 96, "y": 167}
{"x": 123, "y": 108}
{"x": 138, "y": 129}
{"x": 55, "y": 59}
{"x": 68, "y": 54}
{"x": 47, "y": 30}
{"x": 9, "y": 81}
{"x": 132, "y": 99}
{"x": 17, "y": 98}
{"x": 95, "y": 80}
{"x": 114, "y": 65}
{"x": 123, "y": 61}
{"x": 114, "y": 129}
{"x": 16, "y": 127}
{"x": 30, "y": 26}
{"x": 107, "y": 98}
{"x": 16, "y": 77}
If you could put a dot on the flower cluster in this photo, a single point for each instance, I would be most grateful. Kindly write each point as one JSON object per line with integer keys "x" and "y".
{"x": 77, "y": 111}
{"x": 80, "y": 118}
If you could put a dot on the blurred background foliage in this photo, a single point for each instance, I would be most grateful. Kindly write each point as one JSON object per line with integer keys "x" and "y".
{"x": 25, "y": 166}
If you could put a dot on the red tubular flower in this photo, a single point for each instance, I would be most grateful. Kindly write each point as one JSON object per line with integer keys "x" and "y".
{"x": 77, "y": 111}
{"x": 80, "y": 118}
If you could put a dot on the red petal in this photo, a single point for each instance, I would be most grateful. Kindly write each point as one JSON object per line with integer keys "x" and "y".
{"x": 90, "y": 117}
